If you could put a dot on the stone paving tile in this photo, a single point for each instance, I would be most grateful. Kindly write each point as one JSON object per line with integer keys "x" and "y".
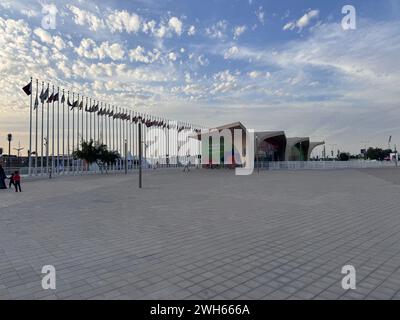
{"x": 204, "y": 235}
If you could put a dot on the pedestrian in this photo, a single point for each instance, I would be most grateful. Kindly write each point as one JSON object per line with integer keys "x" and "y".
{"x": 17, "y": 181}
{"x": 186, "y": 165}
{"x": 11, "y": 181}
{"x": 2, "y": 178}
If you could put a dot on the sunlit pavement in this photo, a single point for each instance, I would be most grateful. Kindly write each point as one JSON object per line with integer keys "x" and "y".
{"x": 206, "y": 234}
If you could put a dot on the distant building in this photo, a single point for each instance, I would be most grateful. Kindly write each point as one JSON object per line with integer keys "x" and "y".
{"x": 268, "y": 145}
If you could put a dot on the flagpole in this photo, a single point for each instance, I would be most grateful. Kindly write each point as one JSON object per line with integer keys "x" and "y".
{"x": 87, "y": 120}
{"x": 109, "y": 126}
{"x": 42, "y": 134}
{"x": 47, "y": 132}
{"x": 58, "y": 130}
{"x": 36, "y": 130}
{"x": 113, "y": 132}
{"x": 52, "y": 136}
{"x": 30, "y": 132}
{"x": 73, "y": 130}
{"x": 132, "y": 137}
{"x": 90, "y": 118}
{"x": 77, "y": 134}
{"x": 63, "y": 133}
{"x": 68, "y": 142}
{"x": 98, "y": 123}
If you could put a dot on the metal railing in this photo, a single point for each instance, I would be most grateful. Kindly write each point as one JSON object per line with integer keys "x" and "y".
{"x": 324, "y": 165}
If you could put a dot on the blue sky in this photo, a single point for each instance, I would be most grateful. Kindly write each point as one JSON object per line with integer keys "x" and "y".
{"x": 274, "y": 65}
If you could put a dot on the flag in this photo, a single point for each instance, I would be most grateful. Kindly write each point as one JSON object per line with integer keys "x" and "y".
{"x": 69, "y": 103}
{"x": 44, "y": 95}
{"x": 390, "y": 139}
{"x": 50, "y": 100}
{"x": 55, "y": 97}
{"x": 36, "y": 102}
{"x": 28, "y": 89}
{"x": 81, "y": 105}
{"x": 75, "y": 104}
{"x": 63, "y": 98}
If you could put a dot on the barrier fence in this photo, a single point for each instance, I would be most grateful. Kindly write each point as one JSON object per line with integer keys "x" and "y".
{"x": 324, "y": 165}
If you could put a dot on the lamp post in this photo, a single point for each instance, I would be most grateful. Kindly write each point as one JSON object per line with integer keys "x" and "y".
{"x": 9, "y": 139}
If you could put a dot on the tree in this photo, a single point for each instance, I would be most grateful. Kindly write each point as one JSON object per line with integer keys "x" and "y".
{"x": 93, "y": 152}
{"x": 378, "y": 153}
{"x": 106, "y": 157}
{"x": 344, "y": 156}
{"x": 87, "y": 152}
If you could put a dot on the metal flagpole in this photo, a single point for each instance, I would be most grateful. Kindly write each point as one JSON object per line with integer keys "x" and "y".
{"x": 132, "y": 137}
{"x": 42, "y": 136}
{"x": 86, "y": 119}
{"x": 140, "y": 154}
{"x": 116, "y": 132}
{"x": 99, "y": 117}
{"x": 77, "y": 133}
{"x": 90, "y": 118}
{"x": 105, "y": 126}
{"x": 98, "y": 124}
{"x": 36, "y": 129}
{"x": 73, "y": 131}
{"x": 123, "y": 132}
{"x": 52, "y": 134}
{"x": 63, "y": 133}
{"x": 30, "y": 132}
{"x": 94, "y": 121}
{"x": 109, "y": 126}
{"x": 58, "y": 129}
{"x": 82, "y": 124}
{"x": 47, "y": 133}
{"x": 68, "y": 165}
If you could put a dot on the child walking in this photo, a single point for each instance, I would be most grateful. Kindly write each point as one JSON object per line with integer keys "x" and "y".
{"x": 11, "y": 183}
{"x": 17, "y": 181}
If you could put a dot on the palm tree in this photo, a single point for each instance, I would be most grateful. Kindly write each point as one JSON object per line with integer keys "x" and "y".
{"x": 87, "y": 152}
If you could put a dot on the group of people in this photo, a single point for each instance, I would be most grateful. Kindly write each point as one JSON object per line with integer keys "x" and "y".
{"x": 15, "y": 180}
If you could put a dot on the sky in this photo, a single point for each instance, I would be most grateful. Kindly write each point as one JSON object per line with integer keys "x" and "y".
{"x": 273, "y": 65}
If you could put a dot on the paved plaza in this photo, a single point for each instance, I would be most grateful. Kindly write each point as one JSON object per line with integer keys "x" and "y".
{"x": 207, "y": 234}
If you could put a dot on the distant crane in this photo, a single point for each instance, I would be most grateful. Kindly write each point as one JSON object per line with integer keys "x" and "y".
{"x": 19, "y": 149}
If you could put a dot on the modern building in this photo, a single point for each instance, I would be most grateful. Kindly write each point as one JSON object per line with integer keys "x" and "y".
{"x": 268, "y": 145}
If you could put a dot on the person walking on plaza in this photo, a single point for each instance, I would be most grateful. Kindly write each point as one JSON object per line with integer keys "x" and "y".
{"x": 11, "y": 181}
{"x": 186, "y": 165}
{"x": 3, "y": 177}
{"x": 17, "y": 181}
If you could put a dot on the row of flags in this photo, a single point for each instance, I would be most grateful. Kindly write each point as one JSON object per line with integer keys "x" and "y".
{"x": 44, "y": 97}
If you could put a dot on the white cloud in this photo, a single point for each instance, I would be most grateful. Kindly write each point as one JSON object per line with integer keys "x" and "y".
{"x": 217, "y": 31}
{"x": 161, "y": 32}
{"x": 224, "y": 81}
{"x": 176, "y": 25}
{"x": 149, "y": 26}
{"x": 303, "y": 22}
{"x": 89, "y": 49}
{"x": 191, "y": 31}
{"x": 172, "y": 56}
{"x": 83, "y": 17}
{"x": 59, "y": 42}
{"x": 254, "y": 74}
{"x": 139, "y": 55}
{"x": 43, "y": 35}
{"x": 231, "y": 52}
{"x": 120, "y": 21}
{"x": 238, "y": 31}
{"x": 260, "y": 14}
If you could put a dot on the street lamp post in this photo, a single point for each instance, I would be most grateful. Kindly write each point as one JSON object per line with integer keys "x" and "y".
{"x": 9, "y": 138}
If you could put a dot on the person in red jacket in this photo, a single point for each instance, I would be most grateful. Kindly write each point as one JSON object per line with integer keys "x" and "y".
{"x": 17, "y": 181}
